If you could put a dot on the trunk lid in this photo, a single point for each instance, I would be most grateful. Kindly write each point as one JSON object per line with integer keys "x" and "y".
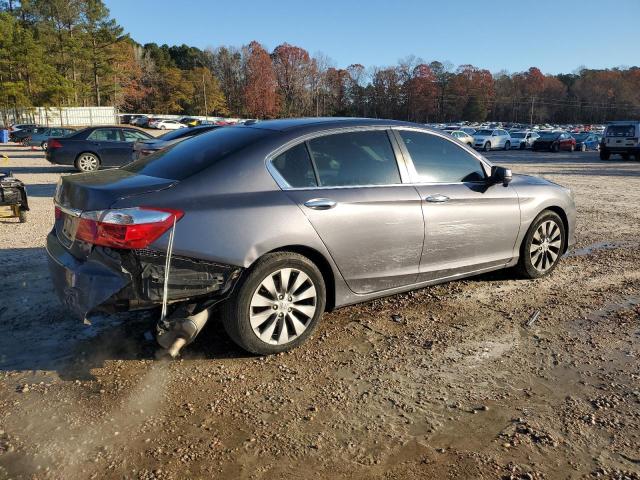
{"x": 96, "y": 191}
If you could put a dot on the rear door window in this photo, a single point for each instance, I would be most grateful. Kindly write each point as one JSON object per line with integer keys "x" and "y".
{"x": 438, "y": 160}
{"x": 355, "y": 159}
{"x": 132, "y": 136}
{"x": 295, "y": 167}
{"x": 105, "y": 135}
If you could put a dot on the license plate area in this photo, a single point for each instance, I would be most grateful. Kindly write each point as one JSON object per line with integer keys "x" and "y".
{"x": 70, "y": 227}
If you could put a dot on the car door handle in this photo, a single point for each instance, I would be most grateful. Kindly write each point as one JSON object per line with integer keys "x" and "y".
{"x": 439, "y": 198}
{"x": 320, "y": 203}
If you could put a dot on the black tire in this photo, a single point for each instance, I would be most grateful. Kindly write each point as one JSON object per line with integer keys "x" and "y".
{"x": 523, "y": 145}
{"x": 236, "y": 310}
{"x": 526, "y": 265}
{"x": 486, "y": 147}
{"x": 87, "y": 162}
{"x": 572, "y": 148}
{"x": 507, "y": 145}
{"x": 43, "y": 146}
{"x": 583, "y": 148}
{"x": 555, "y": 147}
{"x": 25, "y": 142}
{"x": 22, "y": 216}
{"x": 625, "y": 156}
{"x": 604, "y": 155}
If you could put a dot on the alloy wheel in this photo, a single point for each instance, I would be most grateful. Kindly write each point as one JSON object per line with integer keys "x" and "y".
{"x": 282, "y": 306}
{"x": 88, "y": 162}
{"x": 545, "y": 245}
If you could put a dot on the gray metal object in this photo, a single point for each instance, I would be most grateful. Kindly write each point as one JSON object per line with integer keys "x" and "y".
{"x": 369, "y": 240}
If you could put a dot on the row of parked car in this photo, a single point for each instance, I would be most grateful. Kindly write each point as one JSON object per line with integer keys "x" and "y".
{"x": 502, "y": 139}
{"x": 145, "y": 121}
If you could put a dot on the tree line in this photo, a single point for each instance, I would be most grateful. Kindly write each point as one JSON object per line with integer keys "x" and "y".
{"x": 61, "y": 53}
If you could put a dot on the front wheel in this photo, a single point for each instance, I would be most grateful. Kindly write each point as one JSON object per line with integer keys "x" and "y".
{"x": 572, "y": 148}
{"x": 523, "y": 145}
{"x": 276, "y": 305}
{"x": 583, "y": 147}
{"x": 487, "y": 147}
{"x": 543, "y": 246}
{"x": 507, "y": 146}
{"x": 43, "y": 145}
{"x": 555, "y": 147}
{"x": 87, "y": 162}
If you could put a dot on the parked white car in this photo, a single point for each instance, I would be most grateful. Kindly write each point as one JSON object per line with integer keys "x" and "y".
{"x": 462, "y": 136}
{"x": 492, "y": 139}
{"x": 523, "y": 139}
{"x": 167, "y": 125}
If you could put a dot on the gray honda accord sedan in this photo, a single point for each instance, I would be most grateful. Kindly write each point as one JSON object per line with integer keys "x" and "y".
{"x": 267, "y": 225}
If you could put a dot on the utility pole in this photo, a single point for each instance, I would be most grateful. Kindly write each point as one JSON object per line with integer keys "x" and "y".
{"x": 204, "y": 93}
{"x": 533, "y": 99}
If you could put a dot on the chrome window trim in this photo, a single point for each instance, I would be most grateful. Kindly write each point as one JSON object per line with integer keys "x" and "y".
{"x": 405, "y": 178}
{"x": 416, "y": 178}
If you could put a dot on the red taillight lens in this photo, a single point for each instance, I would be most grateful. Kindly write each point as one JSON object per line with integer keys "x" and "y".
{"x": 58, "y": 213}
{"x": 127, "y": 227}
{"x": 53, "y": 144}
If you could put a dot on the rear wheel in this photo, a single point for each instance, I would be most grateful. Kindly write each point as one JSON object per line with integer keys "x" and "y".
{"x": 523, "y": 145}
{"x": 25, "y": 142}
{"x": 572, "y": 148}
{"x": 487, "y": 147}
{"x": 276, "y": 305}
{"x": 583, "y": 147}
{"x": 604, "y": 155}
{"x": 87, "y": 162}
{"x": 625, "y": 156}
{"x": 43, "y": 145}
{"x": 555, "y": 147}
{"x": 543, "y": 245}
{"x": 507, "y": 145}
{"x": 22, "y": 216}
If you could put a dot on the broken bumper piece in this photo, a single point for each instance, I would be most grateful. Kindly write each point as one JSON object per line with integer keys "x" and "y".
{"x": 112, "y": 280}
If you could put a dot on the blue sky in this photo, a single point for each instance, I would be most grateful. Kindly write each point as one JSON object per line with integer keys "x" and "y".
{"x": 557, "y": 36}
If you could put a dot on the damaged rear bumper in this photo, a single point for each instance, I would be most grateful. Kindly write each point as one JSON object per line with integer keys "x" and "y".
{"x": 113, "y": 280}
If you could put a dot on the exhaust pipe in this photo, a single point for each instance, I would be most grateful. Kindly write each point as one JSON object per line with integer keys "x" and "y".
{"x": 174, "y": 333}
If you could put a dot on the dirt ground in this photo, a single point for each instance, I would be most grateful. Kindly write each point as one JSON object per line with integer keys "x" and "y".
{"x": 452, "y": 381}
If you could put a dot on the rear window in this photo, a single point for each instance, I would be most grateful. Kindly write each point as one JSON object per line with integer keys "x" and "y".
{"x": 187, "y": 158}
{"x": 184, "y": 132}
{"x": 621, "y": 131}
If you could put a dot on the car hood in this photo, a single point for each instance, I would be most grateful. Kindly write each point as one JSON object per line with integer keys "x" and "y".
{"x": 520, "y": 179}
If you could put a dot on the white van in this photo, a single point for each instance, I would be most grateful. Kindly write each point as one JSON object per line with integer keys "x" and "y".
{"x": 622, "y": 138}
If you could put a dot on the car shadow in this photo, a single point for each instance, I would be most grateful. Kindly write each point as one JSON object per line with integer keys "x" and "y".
{"x": 41, "y": 189}
{"x": 41, "y": 335}
{"x": 57, "y": 169}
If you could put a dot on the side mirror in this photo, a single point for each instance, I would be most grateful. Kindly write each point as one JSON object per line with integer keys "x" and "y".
{"x": 501, "y": 175}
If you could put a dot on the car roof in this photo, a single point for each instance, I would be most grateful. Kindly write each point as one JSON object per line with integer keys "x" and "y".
{"x": 323, "y": 123}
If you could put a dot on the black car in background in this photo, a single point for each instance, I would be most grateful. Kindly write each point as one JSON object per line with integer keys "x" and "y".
{"x": 95, "y": 147}
{"x": 142, "y": 148}
{"x": 23, "y": 132}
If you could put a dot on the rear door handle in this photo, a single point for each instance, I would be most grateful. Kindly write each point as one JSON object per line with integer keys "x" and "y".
{"x": 320, "y": 203}
{"x": 438, "y": 198}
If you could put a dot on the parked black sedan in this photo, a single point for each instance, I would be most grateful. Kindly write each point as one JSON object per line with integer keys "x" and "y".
{"x": 142, "y": 148}
{"x": 95, "y": 147}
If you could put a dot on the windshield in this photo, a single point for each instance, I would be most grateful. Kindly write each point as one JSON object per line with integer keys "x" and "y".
{"x": 484, "y": 132}
{"x": 549, "y": 135}
{"x": 187, "y": 158}
{"x": 517, "y": 134}
{"x": 580, "y": 136}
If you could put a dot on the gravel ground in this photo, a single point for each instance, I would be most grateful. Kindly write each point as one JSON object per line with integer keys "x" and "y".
{"x": 452, "y": 381}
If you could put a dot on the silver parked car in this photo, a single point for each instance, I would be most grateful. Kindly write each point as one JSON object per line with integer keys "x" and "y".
{"x": 524, "y": 139}
{"x": 491, "y": 139}
{"x": 271, "y": 223}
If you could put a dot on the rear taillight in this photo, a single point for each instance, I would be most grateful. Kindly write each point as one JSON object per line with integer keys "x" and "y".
{"x": 127, "y": 227}
{"x": 58, "y": 213}
{"x": 51, "y": 144}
